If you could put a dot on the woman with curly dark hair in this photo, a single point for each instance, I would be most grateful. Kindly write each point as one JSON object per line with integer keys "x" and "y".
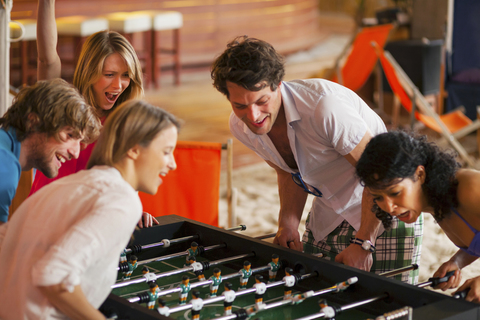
{"x": 406, "y": 176}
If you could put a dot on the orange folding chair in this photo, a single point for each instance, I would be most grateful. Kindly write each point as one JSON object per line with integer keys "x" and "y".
{"x": 359, "y": 57}
{"x": 193, "y": 189}
{"x": 451, "y": 126}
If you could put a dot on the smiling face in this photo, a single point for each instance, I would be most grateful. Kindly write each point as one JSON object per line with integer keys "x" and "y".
{"x": 257, "y": 109}
{"x": 113, "y": 81}
{"x": 48, "y": 154}
{"x": 155, "y": 160}
{"x": 404, "y": 199}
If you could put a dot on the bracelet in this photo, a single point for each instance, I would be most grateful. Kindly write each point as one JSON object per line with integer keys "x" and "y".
{"x": 366, "y": 245}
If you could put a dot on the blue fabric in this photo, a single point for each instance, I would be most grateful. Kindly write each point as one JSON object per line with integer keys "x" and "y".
{"x": 474, "y": 247}
{"x": 466, "y": 42}
{"x": 465, "y": 58}
{"x": 10, "y": 170}
{"x": 463, "y": 94}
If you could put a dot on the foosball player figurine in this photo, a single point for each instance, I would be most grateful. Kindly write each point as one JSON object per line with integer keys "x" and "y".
{"x": 328, "y": 311}
{"x": 132, "y": 265}
{"x": 342, "y": 286}
{"x": 152, "y": 295}
{"x": 274, "y": 266}
{"x": 289, "y": 283}
{"x": 197, "y": 304}
{"x": 189, "y": 261}
{"x": 299, "y": 298}
{"x": 150, "y": 276}
{"x": 185, "y": 289}
{"x": 229, "y": 298}
{"x": 216, "y": 280}
{"x": 260, "y": 288}
{"x": 145, "y": 270}
{"x": 162, "y": 308}
{"x": 200, "y": 275}
{"x": 246, "y": 272}
{"x": 123, "y": 256}
{"x": 193, "y": 250}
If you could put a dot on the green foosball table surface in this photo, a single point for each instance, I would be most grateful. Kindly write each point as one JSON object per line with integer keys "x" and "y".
{"x": 426, "y": 304}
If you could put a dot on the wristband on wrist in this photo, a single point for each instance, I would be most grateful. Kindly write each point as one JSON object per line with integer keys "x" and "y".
{"x": 366, "y": 245}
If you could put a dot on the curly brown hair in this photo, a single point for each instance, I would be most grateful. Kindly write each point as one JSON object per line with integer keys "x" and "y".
{"x": 250, "y": 63}
{"x": 48, "y": 107}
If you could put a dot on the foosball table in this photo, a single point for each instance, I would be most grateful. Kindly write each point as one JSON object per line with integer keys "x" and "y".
{"x": 319, "y": 288}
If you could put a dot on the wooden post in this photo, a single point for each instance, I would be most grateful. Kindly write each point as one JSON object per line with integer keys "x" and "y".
{"x": 5, "y": 9}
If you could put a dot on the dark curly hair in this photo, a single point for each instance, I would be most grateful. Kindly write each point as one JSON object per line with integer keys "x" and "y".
{"x": 391, "y": 157}
{"x": 248, "y": 62}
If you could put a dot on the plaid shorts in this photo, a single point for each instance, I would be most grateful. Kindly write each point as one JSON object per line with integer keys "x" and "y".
{"x": 399, "y": 247}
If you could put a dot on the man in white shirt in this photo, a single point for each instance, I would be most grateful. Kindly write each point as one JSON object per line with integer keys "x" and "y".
{"x": 312, "y": 132}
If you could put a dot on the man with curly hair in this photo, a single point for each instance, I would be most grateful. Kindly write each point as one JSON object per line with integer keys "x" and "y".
{"x": 42, "y": 129}
{"x": 312, "y": 132}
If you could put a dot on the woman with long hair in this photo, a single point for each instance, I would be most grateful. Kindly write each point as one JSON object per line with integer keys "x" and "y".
{"x": 406, "y": 176}
{"x": 108, "y": 73}
{"x": 67, "y": 271}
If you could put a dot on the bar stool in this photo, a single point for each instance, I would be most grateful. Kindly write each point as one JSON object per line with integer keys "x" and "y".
{"x": 27, "y": 37}
{"x": 79, "y": 28}
{"x": 129, "y": 24}
{"x": 163, "y": 21}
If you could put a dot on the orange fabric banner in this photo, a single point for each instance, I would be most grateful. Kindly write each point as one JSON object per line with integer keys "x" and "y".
{"x": 192, "y": 190}
{"x": 362, "y": 58}
{"x": 454, "y": 120}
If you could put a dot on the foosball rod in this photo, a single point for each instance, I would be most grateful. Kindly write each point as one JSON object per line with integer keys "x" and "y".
{"x": 164, "y": 243}
{"x": 240, "y": 293}
{"x": 202, "y": 283}
{"x": 266, "y": 236}
{"x": 346, "y": 307}
{"x": 308, "y": 294}
{"x": 197, "y": 266}
{"x": 399, "y": 270}
{"x": 184, "y": 253}
{"x": 167, "y": 242}
{"x": 336, "y": 288}
{"x": 435, "y": 281}
{"x": 180, "y": 254}
{"x": 261, "y": 269}
{"x": 177, "y": 255}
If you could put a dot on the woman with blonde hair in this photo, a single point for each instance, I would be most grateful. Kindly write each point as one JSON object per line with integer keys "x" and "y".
{"x": 68, "y": 271}
{"x": 108, "y": 73}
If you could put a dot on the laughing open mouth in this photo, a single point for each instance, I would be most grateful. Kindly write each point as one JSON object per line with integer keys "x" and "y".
{"x": 60, "y": 158}
{"x": 112, "y": 96}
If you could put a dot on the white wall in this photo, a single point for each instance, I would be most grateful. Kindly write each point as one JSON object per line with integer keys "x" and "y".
{"x": 4, "y": 55}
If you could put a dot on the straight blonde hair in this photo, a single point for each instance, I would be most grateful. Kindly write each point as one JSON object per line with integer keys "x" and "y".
{"x": 92, "y": 58}
{"x": 134, "y": 122}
